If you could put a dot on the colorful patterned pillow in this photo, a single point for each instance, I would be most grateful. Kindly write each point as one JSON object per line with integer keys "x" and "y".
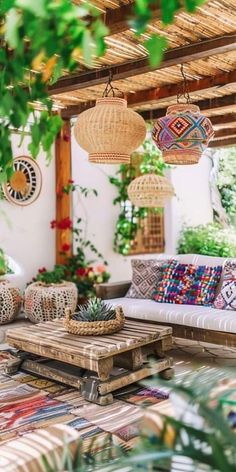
{"x": 146, "y": 274}
{"x": 226, "y": 300}
{"x": 187, "y": 284}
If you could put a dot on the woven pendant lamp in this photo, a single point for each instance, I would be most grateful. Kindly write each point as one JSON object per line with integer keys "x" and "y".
{"x": 184, "y": 133}
{"x": 110, "y": 131}
{"x": 150, "y": 191}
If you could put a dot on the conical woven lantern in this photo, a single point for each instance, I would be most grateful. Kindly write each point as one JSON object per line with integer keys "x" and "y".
{"x": 150, "y": 191}
{"x": 110, "y": 131}
{"x": 183, "y": 134}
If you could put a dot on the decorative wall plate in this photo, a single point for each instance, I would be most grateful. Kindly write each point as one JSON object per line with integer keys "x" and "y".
{"x": 25, "y": 183}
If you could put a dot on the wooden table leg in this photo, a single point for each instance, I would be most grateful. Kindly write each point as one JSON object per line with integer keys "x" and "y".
{"x": 104, "y": 367}
{"x": 131, "y": 360}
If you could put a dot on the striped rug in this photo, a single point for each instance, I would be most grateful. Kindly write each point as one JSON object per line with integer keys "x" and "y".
{"x": 28, "y": 402}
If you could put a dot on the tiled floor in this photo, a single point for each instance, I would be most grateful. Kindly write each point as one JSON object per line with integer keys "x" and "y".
{"x": 198, "y": 353}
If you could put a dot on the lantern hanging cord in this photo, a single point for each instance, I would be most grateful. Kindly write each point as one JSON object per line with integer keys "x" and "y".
{"x": 110, "y": 90}
{"x": 185, "y": 91}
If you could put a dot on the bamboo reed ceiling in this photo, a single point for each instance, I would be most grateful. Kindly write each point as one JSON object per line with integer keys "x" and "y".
{"x": 213, "y": 21}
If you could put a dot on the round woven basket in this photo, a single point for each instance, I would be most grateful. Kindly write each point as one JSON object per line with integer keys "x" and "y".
{"x": 94, "y": 328}
{"x": 110, "y": 131}
{"x": 45, "y": 302}
{"x": 10, "y": 302}
{"x": 150, "y": 190}
{"x": 183, "y": 134}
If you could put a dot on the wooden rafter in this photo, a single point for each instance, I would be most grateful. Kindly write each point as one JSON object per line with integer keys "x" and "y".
{"x": 207, "y": 104}
{"x": 117, "y": 19}
{"x": 225, "y": 133}
{"x": 224, "y": 119}
{"x": 223, "y": 142}
{"x": 158, "y": 93}
{"x": 180, "y": 55}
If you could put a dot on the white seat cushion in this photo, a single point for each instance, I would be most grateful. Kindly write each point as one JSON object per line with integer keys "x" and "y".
{"x": 187, "y": 315}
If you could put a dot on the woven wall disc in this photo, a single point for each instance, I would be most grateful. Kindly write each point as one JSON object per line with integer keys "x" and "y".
{"x": 25, "y": 184}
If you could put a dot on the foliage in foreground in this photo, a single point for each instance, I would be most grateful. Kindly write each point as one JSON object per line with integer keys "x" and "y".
{"x": 200, "y": 431}
{"x": 210, "y": 239}
{"x": 30, "y": 62}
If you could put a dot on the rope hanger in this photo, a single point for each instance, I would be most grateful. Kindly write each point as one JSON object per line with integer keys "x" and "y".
{"x": 109, "y": 89}
{"x": 185, "y": 92}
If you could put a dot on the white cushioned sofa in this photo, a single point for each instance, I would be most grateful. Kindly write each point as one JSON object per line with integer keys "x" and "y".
{"x": 202, "y": 323}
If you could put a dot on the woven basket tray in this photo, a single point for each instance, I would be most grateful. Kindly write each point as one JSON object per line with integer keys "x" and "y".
{"x": 94, "y": 328}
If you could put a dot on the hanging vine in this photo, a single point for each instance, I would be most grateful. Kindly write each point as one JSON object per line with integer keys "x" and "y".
{"x": 130, "y": 217}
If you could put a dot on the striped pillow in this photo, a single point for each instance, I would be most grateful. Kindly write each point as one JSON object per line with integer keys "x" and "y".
{"x": 187, "y": 284}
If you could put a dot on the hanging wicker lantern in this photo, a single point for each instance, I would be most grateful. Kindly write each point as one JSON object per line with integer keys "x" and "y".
{"x": 150, "y": 191}
{"x": 110, "y": 131}
{"x": 183, "y": 134}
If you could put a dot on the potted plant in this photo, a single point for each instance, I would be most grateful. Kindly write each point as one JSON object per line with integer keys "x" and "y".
{"x": 94, "y": 318}
{"x": 49, "y": 295}
{"x": 10, "y": 296}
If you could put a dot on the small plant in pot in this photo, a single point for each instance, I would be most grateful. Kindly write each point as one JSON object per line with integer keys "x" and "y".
{"x": 49, "y": 295}
{"x": 10, "y": 296}
{"x": 94, "y": 318}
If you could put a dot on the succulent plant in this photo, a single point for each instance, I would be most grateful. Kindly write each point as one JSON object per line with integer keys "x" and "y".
{"x": 95, "y": 310}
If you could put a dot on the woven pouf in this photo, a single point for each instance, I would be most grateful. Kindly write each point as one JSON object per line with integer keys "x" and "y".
{"x": 46, "y": 302}
{"x": 10, "y": 302}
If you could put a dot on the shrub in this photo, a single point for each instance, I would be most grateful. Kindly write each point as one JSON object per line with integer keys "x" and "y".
{"x": 210, "y": 239}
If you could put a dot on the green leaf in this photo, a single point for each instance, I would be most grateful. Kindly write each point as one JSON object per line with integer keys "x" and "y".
{"x": 87, "y": 47}
{"x": 37, "y": 7}
{"x": 168, "y": 9}
{"x": 13, "y": 21}
{"x": 156, "y": 46}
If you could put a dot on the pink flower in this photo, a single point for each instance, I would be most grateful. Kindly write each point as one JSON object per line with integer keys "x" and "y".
{"x": 100, "y": 268}
{"x": 43, "y": 269}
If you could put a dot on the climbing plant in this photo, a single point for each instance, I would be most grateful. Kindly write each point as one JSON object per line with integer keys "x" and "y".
{"x": 226, "y": 181}
{"x": 39, "y": 40}
{"x": 130, "y": 217}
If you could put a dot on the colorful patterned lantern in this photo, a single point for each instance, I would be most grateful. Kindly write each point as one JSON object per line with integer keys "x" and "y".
{"x": 110, "y": 131}
{"x": 183, "y": 134}
{"x": 150, "y": 191}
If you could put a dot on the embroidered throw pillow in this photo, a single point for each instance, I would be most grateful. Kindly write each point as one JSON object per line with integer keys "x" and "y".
{"x": 146, "y": 274}
{"x": 226, "y": 300}
{"x": 187, "y": 284}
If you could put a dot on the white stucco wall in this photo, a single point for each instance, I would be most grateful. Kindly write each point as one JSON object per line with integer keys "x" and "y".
{"x": 191, "y": 205}
{"x": 25, "y": 233}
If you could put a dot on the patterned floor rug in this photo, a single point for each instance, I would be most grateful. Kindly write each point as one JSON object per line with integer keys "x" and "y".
{"x": 28, "y": 402}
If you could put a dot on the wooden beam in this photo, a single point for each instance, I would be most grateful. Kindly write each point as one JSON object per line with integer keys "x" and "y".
{"x": 158, "y": 93}
{"x": 63, "y": 201}
{"x": 221, "y": 120}
{"x": 225, "y": 133}
{"x": 117, "y": 19}
{"x": 223, "y": 142}
{"x": 180, "y": 55}
{"x": 207, "y": 104}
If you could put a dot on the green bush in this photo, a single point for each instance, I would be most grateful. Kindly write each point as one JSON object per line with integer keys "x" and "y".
{"x": 210, "y": 239}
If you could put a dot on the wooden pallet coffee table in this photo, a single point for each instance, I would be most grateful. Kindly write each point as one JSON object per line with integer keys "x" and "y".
{"x": 97, "y": 365}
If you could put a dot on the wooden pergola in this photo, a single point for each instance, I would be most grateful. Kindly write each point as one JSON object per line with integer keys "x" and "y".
{"x": 204, "y": 43}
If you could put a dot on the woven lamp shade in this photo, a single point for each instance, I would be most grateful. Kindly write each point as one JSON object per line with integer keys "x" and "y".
{"x": 150, "y": 191}
{"x": 183, "y": 134}
{"x": 110, "y": 131}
